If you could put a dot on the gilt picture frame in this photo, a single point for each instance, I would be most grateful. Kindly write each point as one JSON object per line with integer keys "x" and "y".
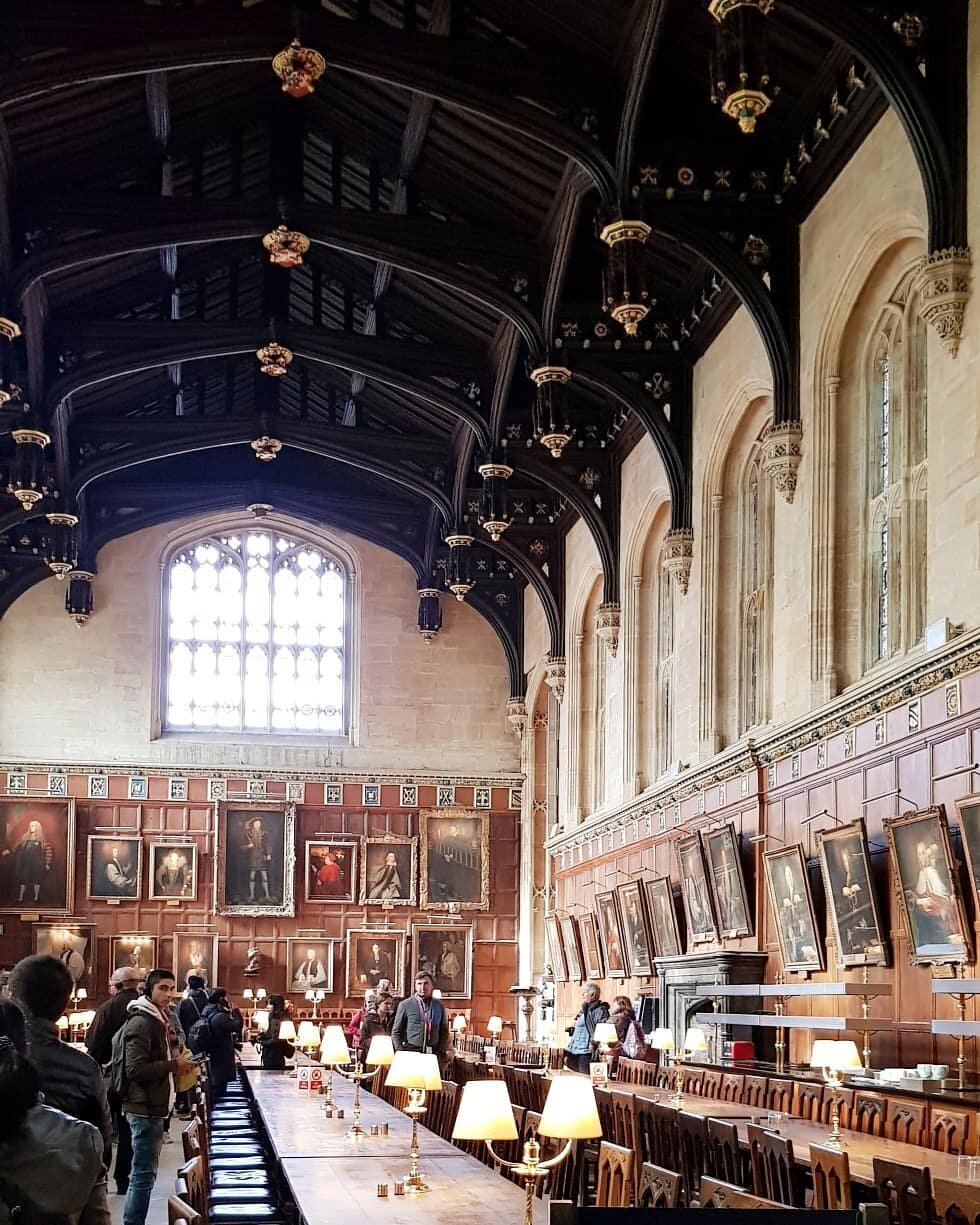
{"x": 374, "y": 954}
{"x": 71, "y": 942}
{"x": 255, "y": 858}
{"x": 114, "y": 867}
{"x": 929, "y": 888}
{"x": 137, "y": 951}
{"x": 37, "y": 856}
{"x": 794, "y": 917}
{"x": 662, "y": 913}
{"x": 591, "y": 951}
{"x": 573, "y": 950}
{"x": 635, "y": 928}
{"x": 852, "y": 902}
{"x": 695, "y": 891}
{"x": 309, "y": 965}
{"x": 556, "y": 951}
{"x": 172, "y": 871}
{"x": 611, "y": 934}
{"x": 727, "y": 880}
{"x": 389, "y": 870}
{"x": 445, "y": 950}
{"x": 454, "y": 867}
{"x": 968, "y": 810}
{"x": 331, "y": 870}
{"x": 195, "y": 953}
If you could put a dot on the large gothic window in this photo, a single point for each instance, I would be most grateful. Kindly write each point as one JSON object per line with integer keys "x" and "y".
{"x": 256, "y": 632}
{"x": 895, "y": 522}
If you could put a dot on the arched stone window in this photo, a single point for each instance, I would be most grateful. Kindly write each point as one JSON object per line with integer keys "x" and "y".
{"x": 256, "y": 633}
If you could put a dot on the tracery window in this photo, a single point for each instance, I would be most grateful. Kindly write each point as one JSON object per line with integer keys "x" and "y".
{"x": 756, "y": 519}
{"x": 256, "y": 633}
{"x": 897, "y": 464}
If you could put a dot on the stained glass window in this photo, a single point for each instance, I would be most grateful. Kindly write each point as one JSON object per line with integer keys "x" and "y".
{"x": 256, "y": 630}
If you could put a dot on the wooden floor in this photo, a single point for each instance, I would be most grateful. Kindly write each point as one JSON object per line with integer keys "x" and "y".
{"x": 334, "y": 1178}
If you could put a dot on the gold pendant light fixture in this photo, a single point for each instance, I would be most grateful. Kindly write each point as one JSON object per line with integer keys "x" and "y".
{"x": 624, "y": 284}
{"x": 552, "y": 427}
{"x": 494, "y": 518}
{"x": 61, "y": 551}
{"x": 299, "y": 68}
{"x": 274, "y": 359}
{"x": 740, "y": 80}
{"x": 286, "y": 247}
{"x": 458, "y": 572}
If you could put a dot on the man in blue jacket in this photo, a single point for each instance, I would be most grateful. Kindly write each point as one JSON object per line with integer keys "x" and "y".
{"x": 422, "y": 1023}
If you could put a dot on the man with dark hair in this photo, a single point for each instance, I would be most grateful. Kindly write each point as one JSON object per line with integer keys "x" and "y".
{"x": 111, "y": 1017}
{"x": 71, "y": 1080}
{"x": 194, "y": 1003}
{"x": 421, "y": 1022}
{"x": 150, "y": 1060}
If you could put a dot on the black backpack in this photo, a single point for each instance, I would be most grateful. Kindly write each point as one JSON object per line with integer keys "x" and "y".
{"x": 117, "y": 1067}
{"x": 200, "y": 1037}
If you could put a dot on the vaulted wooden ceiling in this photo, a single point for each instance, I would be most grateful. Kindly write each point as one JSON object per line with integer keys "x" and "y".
{"x": 450, "y": 170}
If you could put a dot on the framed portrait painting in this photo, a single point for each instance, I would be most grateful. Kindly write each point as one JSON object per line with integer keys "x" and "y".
{"x": 309, "y": 965}
{"x": 636, "y": 935}
{"x": 573, "y": 950}
{"x": 851, "y": 902}
{"x": 255, "y": 858}
{"x": 72, "y": 943}
{"x": 695, "y": 892}
{"x": 373, "y": 955}
{"x": 792, "y": 909}
{"x": 115, "y": 867}
{"x": 138, "y": 951}
{"x": 969, "y": 813}
{"x": 611, "y": 934}
{"x": 663, "y": 917}
{"x": 446, "y": 951}
{"x": 331, "y": 869}
{"x": 589, "y": 938}
{"x": 556, "y": 953}
{"x": 454, "y": 859}
{"x": 389, "y": 870}
{"x": 932, "y": 904}
{"x": 727, "y": 881}
{"x": 37, "y": 856}
{"x": 173, "y": 871}
{"x": 195, "y": 953}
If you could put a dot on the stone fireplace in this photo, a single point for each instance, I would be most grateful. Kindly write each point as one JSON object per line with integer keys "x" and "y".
{"x": 679, "y": 976}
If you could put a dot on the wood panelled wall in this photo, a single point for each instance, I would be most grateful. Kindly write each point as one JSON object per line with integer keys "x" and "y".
{"x": 494, "y": 931}
{"x": 860, "y": 770}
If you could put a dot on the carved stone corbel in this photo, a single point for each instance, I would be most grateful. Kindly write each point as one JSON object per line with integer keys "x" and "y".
{"x": 678, "y": 556}
{"x": 517, "y": 715}
{"x": 608, "y": 620}
{"x": 554, "y": 676}
{"x": 782, "y": 454}
{"x": 942, "y": 283}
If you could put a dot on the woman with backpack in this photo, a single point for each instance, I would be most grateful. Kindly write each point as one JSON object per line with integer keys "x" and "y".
{"x": 632, "y": 1043}
{"x": 50, "y": 1164}
{"x": 219, "y": 1032}
{"x": 274, "y": 1052}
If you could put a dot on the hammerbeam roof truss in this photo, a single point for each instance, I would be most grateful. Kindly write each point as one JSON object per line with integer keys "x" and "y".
{"x": 449, "y": 171}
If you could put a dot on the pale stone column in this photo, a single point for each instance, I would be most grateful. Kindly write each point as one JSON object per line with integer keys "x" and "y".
{"x": 823, "y": 672}
{"x": 709, "y": 733}
{"x": 632, "y": 725}
{"x": 525, "y": 888}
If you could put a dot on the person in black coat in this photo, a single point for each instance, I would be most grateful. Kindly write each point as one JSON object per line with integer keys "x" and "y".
{"x": 274, "y": 1052}
{"x": 192, "y": 1006}
{"x": 225, "y": 1024}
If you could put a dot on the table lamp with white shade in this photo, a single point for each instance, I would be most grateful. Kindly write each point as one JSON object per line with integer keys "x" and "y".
{"x": 419, "y": 1074}
{"x": 605, "y": 1036}
{"x": 287, "y": 1033}
{"x": 459, "y": 1023}
{"x": 308, "y": 1038}
{"x": 662, "y": 1040}
{"x": 316, "y": 996}
{"x": 570, "y": 1113}
{"x": 260, "y": 993}
{"x": 260, "y": 1019}
{"x": 333, "y": 1052}
{"x": 379, "y": 1055}
{"x": 833, "y": 1058}
{"x": 495, "y": 1027}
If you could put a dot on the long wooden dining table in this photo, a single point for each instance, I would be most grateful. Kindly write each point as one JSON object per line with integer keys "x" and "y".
{"x": 335, "y": 1178}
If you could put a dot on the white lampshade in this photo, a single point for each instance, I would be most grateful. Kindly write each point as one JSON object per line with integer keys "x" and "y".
{"x": 333, "y": 1048}
{"x": 309, "y": 995}
{"x": 248, "y": 994}
{"x": 413, "y": 1070}
{"x": 287, "y": 1030}
{"x": 260, "y": 993}
{"x": 81, "y": 994}
{"x": 260, "y": 1019}
{"x": 62, "y": 1022}
{"x": 605, "y": 1033}
{"x": 570, "y": 1111}
{"x": 380, "y": 1052}
{"x": 485, "y": 1112}
{"x": 75, "y": 1019}
{"x": 459, "y": 1023}
{"x": 662, "y": 1039}
{"x": 495, "y": 1025}
{"x": 309, "y": 1035}
{"x": 836, "y": 1056}
{"x": 695, "y": 1039}
{"x": 436, "y": 994}
{"x": 88, "y": 1017}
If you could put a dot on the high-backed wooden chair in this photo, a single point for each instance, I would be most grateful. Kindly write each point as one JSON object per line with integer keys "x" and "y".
{"x": 732, "y": 1086}
{"x": 956, "y": 1203}
{"x": 657, "y": 1187}
{"x": 711, "y": 1086}
{"x": 780, "y": 1094}
{"x": 645, "y": 1131}
{"x": 831, "y": 1178}
{"x": 529, "y": 1131}
{"x": 668, "y": 1146}
{"x": 441, "y": 1113}
{"x": 692, "y": 1080}
{"x": 614, "y": 1184}
{"x": 905, "y": 1189}
{"x": 724, "y": 1159}
{"x": 693, "y": 1130}
{"x": 624, "y": 1118}
{"x": 948, "y": 1130}
{"x": 630, "y": 1071}
{"x": 868, "y": 1114}
{"x": 774, "y": 1174}
{"x": 664, "y": 1078}
{"x": 181, "y": 1213}
{"x": 754, "y": 1091}
{"x": 192, "y": 1185}
{"x": 906, "y": 1121}
{"x": 809, "y": 1097}
{"x": 717, "y": 1194}
{"x": 845, "y": 1106}
{"x": 603, "y": 1101}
